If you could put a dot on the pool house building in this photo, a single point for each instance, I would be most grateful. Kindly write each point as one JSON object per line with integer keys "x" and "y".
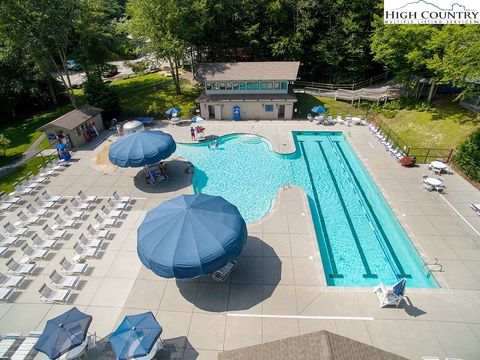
{"x": 247, "y": 90}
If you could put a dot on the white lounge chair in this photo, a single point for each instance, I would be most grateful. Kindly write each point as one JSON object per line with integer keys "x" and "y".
{"x": 105, "y": 222}
{"x": 64, "y": 282}
{"x": 117, "y": 205}
{"x": 79, "y": 206}
{"x": 392, "y": 295}
{"x": 7, "y": 342}
{"x": 73, "y": 269}
{"x": 123, "y": 199}
{"x": 111, "y": 213}
{"x": 87, "y": 199}
{"x": 98, "y": 233}
{"x": 8, "y": 241}
{"x": 90, "y": 242}
{"x": 63, "y": 223}
{"x": 36, "y": 212}
{"x": 85, "y": 252}
{"x": 25, "y": 220}
{"x": 6, "y": 294}
{"x": 29, "y": 183}
{"x": 25, "y": 350}
{"x": 44, "y": 204}
{"x": 339, "y": 119}
{"x": 69, "y": 214}
{"x": 222, "y": 274}
{"x": 52, "y": 198}
{"x": 21, "y": 269}
{"x": 54, "y": 233}
{"x": 44, "y": 171}
{"x": 476, "y": 208}
{"x": 43, "y": 244}
{"x": 10, "y": 199}
{"x": 22, "y": 190}
{"x": 36, "y": 178}
{"x": 34, "y": 253}
{"x": 7, "y": 281}
{"x": 6, "y": 206}
{"x": 3, "y": 250}
{"x": 13, "y": 230}
{"x": 49, "y": 295}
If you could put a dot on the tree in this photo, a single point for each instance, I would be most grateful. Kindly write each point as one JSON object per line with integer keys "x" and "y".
{"x": 4, "y": 144}
{"x": 163, "y": 25}
{"x": 467, "y": 156}
{"x": 99, "y": 94}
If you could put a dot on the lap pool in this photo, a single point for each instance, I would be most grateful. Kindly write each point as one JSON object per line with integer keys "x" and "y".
{"x": 360, "y": 240}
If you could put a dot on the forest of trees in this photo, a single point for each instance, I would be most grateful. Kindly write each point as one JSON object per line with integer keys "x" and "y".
{"x": 335, "y": 40}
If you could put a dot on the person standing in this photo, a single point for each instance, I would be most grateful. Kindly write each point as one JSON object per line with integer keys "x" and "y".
{"x": 192, "y": 133}
{"x": 216, "y": 144}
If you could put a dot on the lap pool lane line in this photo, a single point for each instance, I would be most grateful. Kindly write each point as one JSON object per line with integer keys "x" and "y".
{"x": 368, "y": 272}
{"x": 401, "y": 271}
{"x": 333, "y": 266}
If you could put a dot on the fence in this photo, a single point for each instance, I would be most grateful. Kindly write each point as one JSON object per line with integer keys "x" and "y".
{"x": 423, "y": 155}
{"x": 352, "y": 86}
{"x": 472, "y": 103}
{"x": 379, "y": 95}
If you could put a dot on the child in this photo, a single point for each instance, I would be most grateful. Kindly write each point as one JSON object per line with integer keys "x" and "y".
{"x": 192, "y": 133}
{"x": 216, "y": 144}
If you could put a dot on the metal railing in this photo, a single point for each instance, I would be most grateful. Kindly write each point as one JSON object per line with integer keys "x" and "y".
{"x": 352, "y": 86}
{"x": 472, "y": 103}
{"x": 378, "y": 95}
{"x": 423, "y": 155}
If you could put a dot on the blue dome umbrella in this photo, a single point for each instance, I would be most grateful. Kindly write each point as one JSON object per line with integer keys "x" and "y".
{"x": 172, "y": 110}
{"x": 136, "y": 336}
{"x": 63, "y": 333}
{"x": 141, "y": 148}
{"x": 191, "y": 236}
{"x": 319, "y": 109}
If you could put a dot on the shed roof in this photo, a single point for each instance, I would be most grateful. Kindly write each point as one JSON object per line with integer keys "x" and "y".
{"x": 266, "y": 70}
{"x": 74, "y": 118}
{"x": 320, "y": 345}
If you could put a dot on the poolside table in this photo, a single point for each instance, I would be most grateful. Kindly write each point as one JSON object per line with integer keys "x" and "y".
{"x": 438, "y": 165}
{"x": 433, "y": 182}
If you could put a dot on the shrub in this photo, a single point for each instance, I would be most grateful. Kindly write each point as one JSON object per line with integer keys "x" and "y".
{"x": 99, "y": 94}
{"x": 467, "y": 156}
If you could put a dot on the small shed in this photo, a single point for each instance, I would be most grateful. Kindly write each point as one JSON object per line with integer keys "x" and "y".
{"x": 75, "y": 127}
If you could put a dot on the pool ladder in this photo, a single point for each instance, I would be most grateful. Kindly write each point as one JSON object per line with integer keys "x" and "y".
{"x": 432, "y": 266}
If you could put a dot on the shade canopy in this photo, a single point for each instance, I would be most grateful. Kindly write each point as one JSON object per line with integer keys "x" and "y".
{"x": 63, "y": 333}
{"x": 319, "y": 109}
{"x": 190, "y": 236}
{"x": 132, "y": 126}
{"x": 141, "y": 148}
{"x": 197, "y": 119}
{"x": 135, "y": 336}
{"x": 173, "y": 110}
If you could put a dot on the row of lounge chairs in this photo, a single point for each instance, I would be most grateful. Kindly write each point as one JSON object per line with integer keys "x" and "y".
{"x": 396, "y": 152}
{"x": 18, "y": 347}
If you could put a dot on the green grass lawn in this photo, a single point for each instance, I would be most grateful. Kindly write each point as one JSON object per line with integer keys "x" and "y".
{"x": 138, "y": 82}
{"x": 6, "y": 181}
{"x": 444, "y": 126}
{"x": 23, "y": 132}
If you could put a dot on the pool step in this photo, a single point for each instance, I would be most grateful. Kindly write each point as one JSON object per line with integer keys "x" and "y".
{"x": 251, "y": 139}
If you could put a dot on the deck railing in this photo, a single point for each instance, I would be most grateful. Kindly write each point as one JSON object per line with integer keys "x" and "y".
{"x": 352, "y": 86}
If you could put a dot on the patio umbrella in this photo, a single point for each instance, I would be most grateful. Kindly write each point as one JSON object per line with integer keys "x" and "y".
{"x": 172, "y": 110}
{"x": 63, "y": 333}
{"x": 319, "y": 109}
{"x": 197, "y": 119}
{"x": 141, "y": 148}
{"x": 190, "y": 236}
{"x": 135, "y": 336}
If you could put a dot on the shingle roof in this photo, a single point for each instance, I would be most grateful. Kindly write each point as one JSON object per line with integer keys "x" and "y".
{"x": 320, "y": 345}
{"x": 75, "y": 117}
{"x": 267, "y": 70}
{"x": 290, "y": 96}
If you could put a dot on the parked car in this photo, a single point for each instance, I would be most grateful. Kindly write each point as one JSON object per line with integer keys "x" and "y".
{"x": 109, "y": 70}
{"x": 73, "y": 65}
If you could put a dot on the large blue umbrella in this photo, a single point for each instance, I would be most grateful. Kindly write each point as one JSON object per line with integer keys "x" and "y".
{"x": 319, "y": 109}
{"x": 141, "y": 148}
{"x": 135, "y": 336}
{"x": 190, "y": 236}
{"x": 172, "y": 110}
{"x": 63, "y": 333}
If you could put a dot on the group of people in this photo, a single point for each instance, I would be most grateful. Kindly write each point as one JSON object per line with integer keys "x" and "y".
{"x": 197, "y": 131}
{"x": 215, "y": 144}
{"x": 89, "y": 131}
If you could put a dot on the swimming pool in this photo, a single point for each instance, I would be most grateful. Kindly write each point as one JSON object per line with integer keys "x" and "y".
{"x": 360, "y": 240}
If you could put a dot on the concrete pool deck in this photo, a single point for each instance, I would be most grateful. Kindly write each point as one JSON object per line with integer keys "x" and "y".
{"x": 278, "y": 289}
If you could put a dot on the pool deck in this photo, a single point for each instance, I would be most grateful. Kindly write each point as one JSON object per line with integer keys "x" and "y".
{"x": 279, "y": 289}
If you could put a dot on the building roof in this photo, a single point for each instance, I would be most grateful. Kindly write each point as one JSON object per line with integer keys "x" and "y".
{"x": 267, "y": 70}
{"x": 320, "y": 345}
{"x": 290, "y": 96}
{"x": 74, "y": 118}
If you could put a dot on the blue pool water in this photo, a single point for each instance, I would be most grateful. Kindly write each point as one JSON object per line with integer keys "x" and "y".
{"x": 360, "y": 240}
